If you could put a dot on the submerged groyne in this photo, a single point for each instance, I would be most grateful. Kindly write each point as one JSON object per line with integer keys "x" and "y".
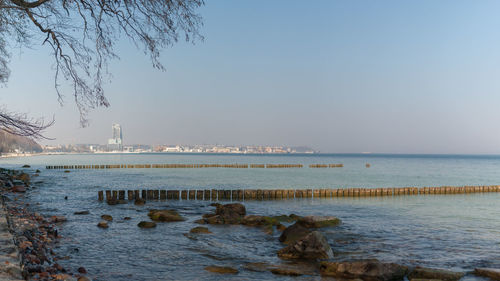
{"x": 284, "y": 194}
{"x": 185, "y": 166}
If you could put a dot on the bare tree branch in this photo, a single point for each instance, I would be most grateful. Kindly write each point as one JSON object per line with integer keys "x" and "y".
{"x": 81, "y": 36}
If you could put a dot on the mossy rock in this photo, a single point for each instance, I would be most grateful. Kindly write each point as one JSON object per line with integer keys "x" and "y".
{"x": 165, "y": 216}
{"x": 285, "y": 218}
{"x": 319, "y": 221}
{"x": 200, "y": 229}
{"x": 26, "y": 166}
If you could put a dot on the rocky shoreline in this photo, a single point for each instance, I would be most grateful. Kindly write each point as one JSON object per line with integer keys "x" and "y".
{"x": 33, "y": 235}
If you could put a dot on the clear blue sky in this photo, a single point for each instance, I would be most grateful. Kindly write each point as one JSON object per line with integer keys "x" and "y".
{"x": 339, "y": 76}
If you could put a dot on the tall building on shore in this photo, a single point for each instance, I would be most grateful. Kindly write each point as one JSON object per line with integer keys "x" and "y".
{"x": 116, "y": 143}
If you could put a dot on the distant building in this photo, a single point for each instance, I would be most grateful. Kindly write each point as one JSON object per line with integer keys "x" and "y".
{"x": 116, "y": 143}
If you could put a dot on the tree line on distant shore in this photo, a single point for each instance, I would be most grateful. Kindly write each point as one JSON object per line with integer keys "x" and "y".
{"x": 10, "y": 143}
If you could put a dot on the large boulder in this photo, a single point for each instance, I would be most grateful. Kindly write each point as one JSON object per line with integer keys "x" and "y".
{"x": 164, "y": 215}
{"x": 231, "y": 213}
{"x": 312, "y": 246}
{"x": 432, "y": 273}
{"x": 318, "y": 221}
{"x": 367, "y": 270}
{"x": 293, "y": 233}
{"x": 226, "y": 214}
{"x": 492, "y": 273}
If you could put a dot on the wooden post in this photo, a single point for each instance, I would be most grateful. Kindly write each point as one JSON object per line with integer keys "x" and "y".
{"x": 206, "y": 194}
{"x": 163, "y": 195}
{"x": 350, "y": 192}
{"x": 170, "y": 194}
{"x": 192, "y": 194}
{"x": 309, "y": 193}
{"x": 100, "y": 195}
{"x": 199, "y": 194}
{"x": 259, "y": 194}
{"x": 150, "y": 194}
{"x": 247, "y": 194}
{"x": 253, "y": 194}
{"x": 316, "y": 193}
{"x": 241, "y": 195}
{"x": 144, "y": 194}
{"x": 220, "y": 195}
{"x": 176, "y": 194}
{"x": 214, "y": 194}
{"x": 184, "y": 195}
{"x": 227, "y": 194}
{"x": 355, "y": 192}
{"x": 272, "y": 194}
{"x": 115, "y": 194}
{"x": 279, "y": 194}
{"x": 136, "y": 194}
{"x": 130, "y": 194}
{"x": 298, "y": 193}
{"x": 156, "y": 194}
{"x": 334, "y": 192}
{"x": 234, "y": 195}
{"x": 265, "y": 194}
{"x": 322, "y": 193}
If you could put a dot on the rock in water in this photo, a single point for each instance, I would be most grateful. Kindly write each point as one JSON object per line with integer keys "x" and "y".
{"x": 221, "y": 269}
{"x": 432, "y": 273}
{"x": 139, "y": 201}
{"x": 231, "y": 213}
{"x": 293, "y": 233}
{"x": 146, "y": 224}
{"x": 107, "y": 217}
{"x": 102, "y": 224}
{"x": 312, "y": 246}
{"x": 112, "y": 201}
{"x": 492, "y": 273}
{"x": 318, "y": 221}
{"x": 19, "y": 189}
{"x": 372, "y": 270}
{"x": 81, "y": 213}
{"x": 164, "y": 216}
{"x": 58, "y": 219}
{"x": 200, "y": 229}
{"x": 285, "y": 271}
{"x": 26, "y": 166}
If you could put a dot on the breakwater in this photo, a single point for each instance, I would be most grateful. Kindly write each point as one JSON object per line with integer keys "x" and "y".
{"x": 283, "y": 194}
{"x": 184, "y": 166}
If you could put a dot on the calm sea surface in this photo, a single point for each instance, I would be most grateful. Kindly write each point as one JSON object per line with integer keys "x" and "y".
{"x": 456, "y": 232}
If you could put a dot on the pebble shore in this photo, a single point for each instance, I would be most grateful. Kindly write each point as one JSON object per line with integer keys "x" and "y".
{"x": 10, "y": 269}
{"x": 27, "y": 238}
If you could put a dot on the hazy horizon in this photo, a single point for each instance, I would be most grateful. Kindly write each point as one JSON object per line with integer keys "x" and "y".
{"x": 336, "y": 76}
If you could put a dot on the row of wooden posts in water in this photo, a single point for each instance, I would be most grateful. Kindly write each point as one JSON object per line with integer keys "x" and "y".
{"x": 280, "y": 194}
{"x": 166, "y": 166}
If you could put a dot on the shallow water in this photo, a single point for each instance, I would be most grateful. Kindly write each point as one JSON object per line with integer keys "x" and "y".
{"x": 456, "y": 232}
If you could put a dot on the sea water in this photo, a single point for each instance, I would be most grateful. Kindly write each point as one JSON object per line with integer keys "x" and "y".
{"x": 457, "y": 232}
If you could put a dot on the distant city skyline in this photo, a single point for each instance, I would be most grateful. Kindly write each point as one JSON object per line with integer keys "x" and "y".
{"x": 338, "y": 76}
